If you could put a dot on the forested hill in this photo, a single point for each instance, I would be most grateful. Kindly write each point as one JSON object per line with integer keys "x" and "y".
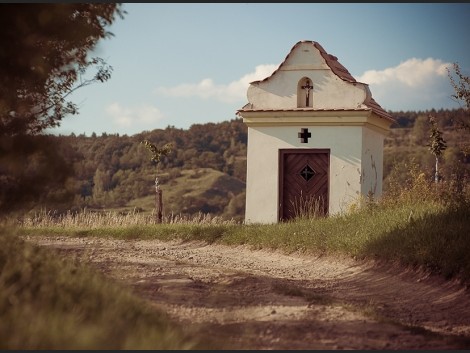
{"x": 206, "y": 168}
{"x": 111, "y": 170}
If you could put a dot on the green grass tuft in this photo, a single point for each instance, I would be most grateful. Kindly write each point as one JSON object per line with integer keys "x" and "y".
{"x": 47, "y": 302}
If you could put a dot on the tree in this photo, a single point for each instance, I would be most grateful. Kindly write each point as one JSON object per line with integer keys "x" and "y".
{"x": 32, "y": 168}
{"x": 420, "y": 129}
{"x": 156, "y": 155}
{"x": 43, "y": 59}
{"x": 436, "y": 145}
{"x": 44, "y": 56}
{"x": 461, "y": 85}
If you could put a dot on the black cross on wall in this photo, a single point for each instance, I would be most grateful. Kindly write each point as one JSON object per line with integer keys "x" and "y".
{"x": 304, "y": 135}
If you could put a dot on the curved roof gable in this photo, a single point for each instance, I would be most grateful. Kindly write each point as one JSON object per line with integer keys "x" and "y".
{"x": 339, "y": 70}
{"x": 331, "y": 60}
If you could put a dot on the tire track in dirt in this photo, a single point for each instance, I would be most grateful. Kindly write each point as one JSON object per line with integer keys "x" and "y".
{"x": 239, "y": 298}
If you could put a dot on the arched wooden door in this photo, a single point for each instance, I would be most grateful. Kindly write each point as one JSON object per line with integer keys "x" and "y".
{"x": 303, "y": 182}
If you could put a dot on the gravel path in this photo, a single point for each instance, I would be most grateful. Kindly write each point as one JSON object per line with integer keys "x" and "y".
{"x": 239, "y": 298}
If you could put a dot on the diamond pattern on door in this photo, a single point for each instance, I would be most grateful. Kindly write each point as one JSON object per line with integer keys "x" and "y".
{"x": 307, "y": 173}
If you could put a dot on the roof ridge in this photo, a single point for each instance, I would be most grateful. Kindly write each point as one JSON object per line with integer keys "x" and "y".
{"x": 331, "y": 61}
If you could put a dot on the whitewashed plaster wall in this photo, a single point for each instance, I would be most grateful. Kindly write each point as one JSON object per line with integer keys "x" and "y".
{"x": 372, "y": 162}
{"x": 262, "y": 184}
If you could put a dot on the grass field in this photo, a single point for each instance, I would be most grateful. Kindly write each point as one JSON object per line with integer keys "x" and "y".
{"x": 421, "y": 225}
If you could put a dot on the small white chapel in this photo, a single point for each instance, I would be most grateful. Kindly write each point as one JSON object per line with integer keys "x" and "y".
{"x": 314, "y": 133}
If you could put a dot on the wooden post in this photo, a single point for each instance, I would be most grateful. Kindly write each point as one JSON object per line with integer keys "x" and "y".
{"x": 159, "y": 205}
{"x": 158, "y": 202}
{"x": 157, "y": 153}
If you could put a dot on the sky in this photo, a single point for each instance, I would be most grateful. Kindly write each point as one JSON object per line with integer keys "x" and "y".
{"x": 181, "y": 64}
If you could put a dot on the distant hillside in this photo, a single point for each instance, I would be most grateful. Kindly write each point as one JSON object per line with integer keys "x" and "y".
{"x": 115, "y": 172}
{"x": 206, "y": 170}
{"x": 202, "y": 190}
{"x": 407, "y": 144}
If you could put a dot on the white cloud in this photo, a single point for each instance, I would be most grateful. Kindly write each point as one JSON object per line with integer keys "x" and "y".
{"x": 413, "y": 73}
{"x": 233, "y": 92}
{"x": 127, "y": 117}
{"x": 414, "y": 84}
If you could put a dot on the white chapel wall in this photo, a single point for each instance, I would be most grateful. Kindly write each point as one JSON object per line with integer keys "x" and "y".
{"x": 372, "y": 162}
{"x": 262, "y": 184}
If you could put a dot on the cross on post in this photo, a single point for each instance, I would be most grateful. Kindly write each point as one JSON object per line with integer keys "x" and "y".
{"x": 304, "y": 135}
{"x": 307, "y": 87}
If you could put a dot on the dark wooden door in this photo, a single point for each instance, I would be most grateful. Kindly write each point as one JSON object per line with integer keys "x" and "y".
{"x": 303, "y": 182}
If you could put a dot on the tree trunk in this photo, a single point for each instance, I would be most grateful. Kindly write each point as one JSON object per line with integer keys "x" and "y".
{"x": 436, "y": 174}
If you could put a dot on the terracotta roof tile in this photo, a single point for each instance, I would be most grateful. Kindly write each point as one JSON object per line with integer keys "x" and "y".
{"x": 377, "y": 109}
{"x": 331, "y": 60}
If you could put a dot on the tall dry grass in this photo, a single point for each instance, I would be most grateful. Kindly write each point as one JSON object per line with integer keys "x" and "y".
{"x": 418, "y": 223}
{"x": 304, "y": 207}
{"x": 95, "y": 219}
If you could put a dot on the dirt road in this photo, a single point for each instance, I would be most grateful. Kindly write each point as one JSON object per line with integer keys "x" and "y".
{"x": 245, "y": 299}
